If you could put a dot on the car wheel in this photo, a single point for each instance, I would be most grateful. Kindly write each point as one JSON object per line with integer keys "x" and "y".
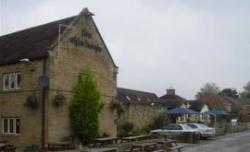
{"x": 201, "y": 137}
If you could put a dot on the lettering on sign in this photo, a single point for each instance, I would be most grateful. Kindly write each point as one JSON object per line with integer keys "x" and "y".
{"x": 80, "y": 41}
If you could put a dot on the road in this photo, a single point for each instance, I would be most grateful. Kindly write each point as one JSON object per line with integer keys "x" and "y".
{"x": 237, "y": 142}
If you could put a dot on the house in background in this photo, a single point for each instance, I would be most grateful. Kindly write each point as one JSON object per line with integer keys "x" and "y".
{"x": 171, "y": 100}
{"x": 40, "y": 66}
{"x": 245, "y": 109}
{"x": 140, "y": 107}
{"x": 227, "y": 104}
{"x": 201, "y": 107}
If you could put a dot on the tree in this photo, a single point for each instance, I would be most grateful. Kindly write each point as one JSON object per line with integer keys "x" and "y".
{"x": 230, "y": 93}
{"x": 85, "y": 108}
{"x": 208, "y": 88}
{"x": 246, "y": 92}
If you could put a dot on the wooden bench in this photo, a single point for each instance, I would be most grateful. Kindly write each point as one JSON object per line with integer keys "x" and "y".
{"x": 178, "y": 148}
{"x": 134, "y": 138}
{"x": 9, "y": 148}
{"x": 106, "y": 149}
{"x": 170, "y": 145}
{"x": 5, "y": 147}
{"x": 53, "y": 146}
{"x": 142, "y": 147}
{"x": 159, "y": 150}
{"x": 99, "y": 142}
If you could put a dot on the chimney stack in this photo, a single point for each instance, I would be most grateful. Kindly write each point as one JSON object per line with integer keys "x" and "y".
{"x": 171, "y": 91}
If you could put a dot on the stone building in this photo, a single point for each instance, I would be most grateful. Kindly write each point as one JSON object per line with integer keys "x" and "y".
{"x": 245, "y": 109}
{"x": 225, "y": 103}
{"x": 171, "y": 100}
{"x": 201, "y": 107}
{"x": 39, "y": 69}
{"x": 139, "y": 107}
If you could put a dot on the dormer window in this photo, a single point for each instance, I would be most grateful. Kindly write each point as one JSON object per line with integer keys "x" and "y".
{"x": 128, "y": 98}
{"x": 11, "y": 81}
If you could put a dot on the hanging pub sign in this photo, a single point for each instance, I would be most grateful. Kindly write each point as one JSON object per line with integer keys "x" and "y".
{"x": 82, "y": 41}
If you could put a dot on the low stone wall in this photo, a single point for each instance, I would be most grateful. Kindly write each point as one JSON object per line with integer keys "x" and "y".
{"x": 238, "y": 128}
{"x": 219, "y": 131}
{"x": 228, "y": 128}
{"x": 182, "y": 137}
{"x": 248, "y": 125}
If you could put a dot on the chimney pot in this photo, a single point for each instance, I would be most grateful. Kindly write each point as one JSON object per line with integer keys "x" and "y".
{"x": 171, "y": 91}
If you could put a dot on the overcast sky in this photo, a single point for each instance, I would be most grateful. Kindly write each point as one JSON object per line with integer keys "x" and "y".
{"x": 157, "y": 43}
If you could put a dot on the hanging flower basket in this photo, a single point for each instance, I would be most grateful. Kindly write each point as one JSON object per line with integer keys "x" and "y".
{"x": 32, "y": 102}
{"x": 59, "y": 100}
{"x": 118, "y": 107}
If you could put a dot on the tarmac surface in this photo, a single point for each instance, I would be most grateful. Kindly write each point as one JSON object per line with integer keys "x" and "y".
{"x": 237, "y": 142}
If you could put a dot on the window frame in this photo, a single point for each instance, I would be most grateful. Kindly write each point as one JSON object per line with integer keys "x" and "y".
{"x": 13, "y": 76}
{"x": 14, "y": 126}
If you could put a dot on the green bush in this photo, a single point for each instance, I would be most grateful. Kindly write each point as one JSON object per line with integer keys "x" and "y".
{"x": 105, "y": 135}
{"x": 158, "y": 122}
{"x": 126, "y": 129}
{"x": 138, "y": 131}
{"x": 85, "y": 108}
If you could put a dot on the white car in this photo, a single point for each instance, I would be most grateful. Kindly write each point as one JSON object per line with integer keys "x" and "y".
{"x": 174, "y": 128}
{"x": 204, "y": 130}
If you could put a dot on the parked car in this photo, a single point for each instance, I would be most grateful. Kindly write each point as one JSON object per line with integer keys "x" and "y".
{"x": 204, "y": 130}
{"x": 174, "y": 128}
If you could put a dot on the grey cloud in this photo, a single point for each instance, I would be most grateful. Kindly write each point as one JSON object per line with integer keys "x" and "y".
{"x": 159, "y": 43}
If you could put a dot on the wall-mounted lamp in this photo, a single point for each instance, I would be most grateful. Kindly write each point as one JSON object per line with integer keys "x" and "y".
{"x": 25, "y": 60}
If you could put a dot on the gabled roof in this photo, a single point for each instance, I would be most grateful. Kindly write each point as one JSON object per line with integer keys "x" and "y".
{"x": 213, "y": 101}
{"x": 172, "y": 100}
{"x": 127, "y": 96}
{"x": 32, "y": 43}
{"x": 220, "y": 102}
{"x": 196, "y": 105}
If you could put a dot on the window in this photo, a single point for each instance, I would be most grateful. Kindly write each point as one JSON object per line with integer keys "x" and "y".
{"x": 11, "y": 126}
{"x": 178, "y": 127}
{"x": 192, "y": 126}
{"x": 128, "y": 98}
{"x": 11, "y": 81}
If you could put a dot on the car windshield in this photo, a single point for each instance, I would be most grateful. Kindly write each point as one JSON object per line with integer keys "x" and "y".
{"x": 168, "y": 127}
{"x": 173, "y": 127}
{"x": 203, "y": 126}
{"x": 186, "y": 126}
{"x": 192, "y": 126}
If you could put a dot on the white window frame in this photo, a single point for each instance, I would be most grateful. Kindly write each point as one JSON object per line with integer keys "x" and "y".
{"x": 8, "y": 126}
{"x": 9, "y": 76}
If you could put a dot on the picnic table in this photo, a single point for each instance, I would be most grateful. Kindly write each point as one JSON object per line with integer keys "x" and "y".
{"x": 6, "y": 147}
{"x": 3, "y": 145}
{"x": 59, "y": 146}
{"x": 168, "y": 142}
{"x": 134, "y": 138}
{"x": 105, "y": 141}
{"x": 170, "y": 145}
{"x": 104, "y": 149}
{"x": 142, "y": 147}
{"x": 4, "y": 141}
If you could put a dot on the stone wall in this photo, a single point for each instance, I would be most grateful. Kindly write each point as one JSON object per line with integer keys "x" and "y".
{"x": 65, "y": 65}
{"x": 140, "y": 115}
{"x": 246, "y": 113}
{"x": 12, "y": 103}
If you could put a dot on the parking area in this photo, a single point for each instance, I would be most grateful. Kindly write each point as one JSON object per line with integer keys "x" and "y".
{"x": 236, "y": 142}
